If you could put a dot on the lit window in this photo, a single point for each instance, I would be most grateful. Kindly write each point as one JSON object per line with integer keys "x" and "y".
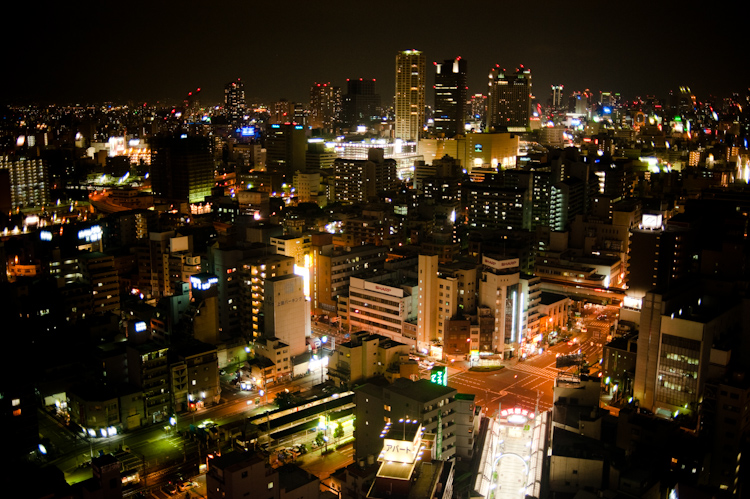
{"x": 16, "y": 402}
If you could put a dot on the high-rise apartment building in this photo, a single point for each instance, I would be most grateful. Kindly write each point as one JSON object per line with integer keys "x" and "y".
{"x": 433, "y": 405}
{"x": 492, "y": 206}
{"x": 450, "y": 97}
{"x": 358, "y": 180}
{"x": 325, "y": 106}
{"x": 658, "y": 256}
{"x": 361, "y": 105}
{"x": 28, "y": 181}
{"x": 410, "y": 94}
{"x": 254, "y": 273}
{"x": 182, "y": 168}
{"x": 99, "y": 270}
{"x": 332, "y": 266}
{"x": 287, "y": 312}
{"x": 234, "y": 102}
{"x": 509, "y": 99}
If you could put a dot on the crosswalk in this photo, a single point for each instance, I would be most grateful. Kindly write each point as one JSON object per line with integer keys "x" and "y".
{"x": 544, "y": 372}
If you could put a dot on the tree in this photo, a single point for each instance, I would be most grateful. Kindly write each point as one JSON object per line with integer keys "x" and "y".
{"x": 285, "y": 400}
{"x": 319, "y": 439}
{"x": 339, "y": 431}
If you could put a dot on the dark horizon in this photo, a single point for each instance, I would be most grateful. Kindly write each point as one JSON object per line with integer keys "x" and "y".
{"x": 149, "y": 53}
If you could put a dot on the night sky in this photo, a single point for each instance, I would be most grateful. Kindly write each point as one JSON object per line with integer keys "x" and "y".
{"x": 159, "y": 50}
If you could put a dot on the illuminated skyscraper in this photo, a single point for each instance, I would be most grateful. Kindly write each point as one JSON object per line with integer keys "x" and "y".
{"x": 479, "y": 107}
{"x": 27, "y": 179}
{"x": 234, "y": 102}
{"x": 410, "y": 94}
{"x": 325, "y": 106}
{"x": 509, "y": 99}
{"x": 450, "y": 97}
{"x": 361, "y": 106}
{"x": 557, "y": 97}
{"x": 182, "y": 168}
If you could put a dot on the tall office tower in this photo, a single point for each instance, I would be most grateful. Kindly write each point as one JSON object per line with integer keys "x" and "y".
{"x": 357, "y": 180}
{"x": 234, "y": 102}
{"x": 683, "y": 100}
{"x": 182, "y": 168}
{"x": 509, "y": 99}
{"x": 193, "y": 104}
{"x": 27, "y": 179}
{"x": 450, "y": 97}
{"x": 501, "y": 292}
{"x": 325, "y": 106}
{"x": 557, "y": 97}
{"x": 282, "y": 112}
{"x": 580, "y": 102}
{"x": 479, "y": 107}
{"x": 679, "y": 331}
{"x": 286, "y": 146}
{"x": 410, "y": 94}
{"x": 319, "y": 155}
{"x": 361, "y": 105}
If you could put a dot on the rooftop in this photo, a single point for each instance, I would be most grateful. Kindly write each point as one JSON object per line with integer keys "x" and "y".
{"x": 548, "y": 298}
{"x": 292, "y": 477}
{"x": 422, "y": 390}
{"x": 235, "y": 461}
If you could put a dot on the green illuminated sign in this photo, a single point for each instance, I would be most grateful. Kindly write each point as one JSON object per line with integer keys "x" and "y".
{"x": 439, "y": 376}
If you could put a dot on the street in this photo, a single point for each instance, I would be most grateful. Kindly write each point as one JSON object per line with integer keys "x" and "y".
{"x": 527, "y": 384}
{"x": 521, "y": 382}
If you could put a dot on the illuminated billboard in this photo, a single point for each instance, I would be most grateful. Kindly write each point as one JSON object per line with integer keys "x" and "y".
{"x": 651, "y": 221}
{"x": 500, "y": 264}
{"x": 90, "y": 235}
{"x": 401, "y": 450}
{"x": 201, "y": 284}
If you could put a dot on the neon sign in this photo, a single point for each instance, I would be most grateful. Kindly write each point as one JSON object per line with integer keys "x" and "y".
{"x": 439, "y": 376}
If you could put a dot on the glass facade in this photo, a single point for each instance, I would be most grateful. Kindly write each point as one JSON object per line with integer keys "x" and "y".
{"x": 678, "y": 370}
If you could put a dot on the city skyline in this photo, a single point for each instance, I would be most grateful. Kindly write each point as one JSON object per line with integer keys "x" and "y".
{"x": 156, "y": 53}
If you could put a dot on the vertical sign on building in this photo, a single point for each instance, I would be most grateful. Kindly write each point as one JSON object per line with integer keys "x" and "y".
{"x": 439, "y": 376}
{"x": 439, "y": 439}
